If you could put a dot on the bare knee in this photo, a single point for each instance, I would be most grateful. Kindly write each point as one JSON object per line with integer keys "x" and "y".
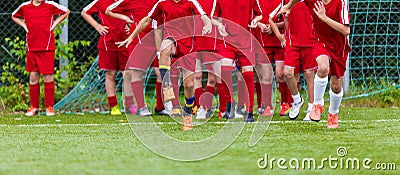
{"x": 336, "y": 87}
{"x": 188, "y": 83}
{"x": 34, "y": 78}
{"x": 198, "y": 76}
{"x": 110, "y": 75}
{"x": 212, "y": 79}
{"x": 288, "y": 72}
{"x": 48, "y": 78}
{"x": 280, "y": 76}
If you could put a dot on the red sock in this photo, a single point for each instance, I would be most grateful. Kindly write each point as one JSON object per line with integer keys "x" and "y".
{"x": 249, "y": 79}
{"x": 209, "y": 95}
{"x": 267, "y": 94}
{"x": 34, "y": 95}
{"x": 259, "y": 94}
{"x": 241, "y": 96}
{"x": 222, "y": 97}
{"x": 112, "y": 101}
{"x": 174, "y": 81}
{"x": 197, "y": 94}
{"x": 159, "y": 102}
{"x": 226, "y": 76}
{"x": 128, "y": 101}
{"x": 283, "y": 89}
{"x": 137, "y": 88}
{"x": 49, "y": 93}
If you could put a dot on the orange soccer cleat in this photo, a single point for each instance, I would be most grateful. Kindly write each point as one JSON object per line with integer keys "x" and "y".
{"x": 316, "y": 112}
{"x": 333, "y": 121}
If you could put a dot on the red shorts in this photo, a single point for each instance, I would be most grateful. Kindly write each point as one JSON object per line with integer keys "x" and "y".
{"x": 337, "y": 64}
{"x": 183, "y": 58}
{"x": 113, "y": 60}
{"x": 208, "y": 57}
{"x": 300, "y": 56}
{"x": 275, "y": 54}
{"x": 234, "y": 53}
{"x": 40, "y": 61}
{"x": 142, "y": 56}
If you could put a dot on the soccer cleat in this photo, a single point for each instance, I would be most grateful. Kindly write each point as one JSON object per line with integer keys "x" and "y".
{"x": 187, "y": 119}
{"x": 285, "y": 108}
{"x": 248, "y": 116}
{"x": 144, "y": 112}
{"x": 333, "y": 121}
{"x": 163, "y": 112}
{"x": 240, "y": 112}
{"x": 229, "y": 113}
{"x": 176, "y": 111}
{"x": 307, "y": 117}
{"x": 295, "y": 110}
{"x": 195, "y": 110}
{"x": 132, "y": 109}
{"x": 221, "y": 114}
{"x": 32, "y": 111}
{"x": 115, "y": 111}
{"x": 209, "y": 113}
{"x": 168, "y": 91}
{"x": 268, "y": 112}
{"x": 260, "y": 110}
{"x": 50, "y": 111}
{"x": 316, "y": 112}
{"x": 201, "y": 113}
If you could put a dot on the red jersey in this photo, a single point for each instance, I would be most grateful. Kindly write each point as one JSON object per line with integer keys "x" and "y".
{"x": 136, "y": 10}
{"x": 270, "y": 8}
{"x": 39, "y": 20}
{"x": 300, "y": 32}
{"x": 240, "y": 12}
{"x": 174, "y": 10}
{"x": 209, "y": 42}
{"x": 116, "y": 31}
{"x": 337, "y": 10}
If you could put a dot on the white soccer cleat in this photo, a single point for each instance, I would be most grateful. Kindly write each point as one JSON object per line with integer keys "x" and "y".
{"x": 307, "y": 118}
{"x": 201, "y": 113}
{"x": 295, "y": 110}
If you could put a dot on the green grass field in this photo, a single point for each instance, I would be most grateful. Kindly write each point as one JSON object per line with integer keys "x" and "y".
{"x": 103, "y": 144}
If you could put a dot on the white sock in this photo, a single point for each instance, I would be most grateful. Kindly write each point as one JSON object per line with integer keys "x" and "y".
{"x": 309, "y": 107}
{"x": 335, "y": 100}
{"x": 319, "y": 89}
{"x": 296, "y": 98}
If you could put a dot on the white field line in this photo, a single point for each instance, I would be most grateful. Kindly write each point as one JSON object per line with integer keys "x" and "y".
{"x": 196, "y": 123}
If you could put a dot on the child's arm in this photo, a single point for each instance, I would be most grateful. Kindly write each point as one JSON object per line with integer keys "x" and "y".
{"x": 278, "y": 34}
{"x": 100, "y": 28}
{"x": 158, "y": 35}
{"x": 207, "y": 24}
{"x": 59, "y": 20}
{"x": 20, "y": 22}
{"x": 119, "y": 16}
{"x": 139, "y": 28}
{"x": 320, "y": 12}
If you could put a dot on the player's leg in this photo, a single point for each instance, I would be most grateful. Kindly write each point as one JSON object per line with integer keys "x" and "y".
{"x": 257, "y": 85}
{"x": 34, "y": 93}
{"x": 48, "y": 80}
{"x": 283, "y": 88}
{"x": 291, "y": 70}
{"x": 335, "y": 94}
{"x": 242, "y": 97}
{"x": 309, "y": 76}
{"x": 198, "y": 75}
{"x": 265, "y": 75}
{"x": 188, "y": 84}
{"x": 160, "y": 108}
{"x": 110, "y": 90}
{"x": 166, "y": 50}
{"x": 130, "y": 107}
{"x": 138, "y": 91}
{"x": 248, "y": 77}
{"x": 226, "y": 76}
{"x": 320, "y": 83}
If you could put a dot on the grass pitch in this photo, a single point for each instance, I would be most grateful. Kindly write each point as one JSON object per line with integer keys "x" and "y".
{"x": 101, "y": 144}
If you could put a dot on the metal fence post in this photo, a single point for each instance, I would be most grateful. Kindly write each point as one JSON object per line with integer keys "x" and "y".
{"x": 64, "y": 39}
